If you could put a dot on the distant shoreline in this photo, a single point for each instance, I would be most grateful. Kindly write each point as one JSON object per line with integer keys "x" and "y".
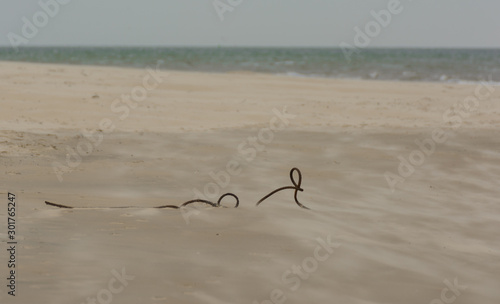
{"x": 243, "y": 73}
{"x": 394, "y": 64}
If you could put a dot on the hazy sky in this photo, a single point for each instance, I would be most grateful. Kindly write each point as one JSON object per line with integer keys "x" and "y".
{"x": 328, "y": 23}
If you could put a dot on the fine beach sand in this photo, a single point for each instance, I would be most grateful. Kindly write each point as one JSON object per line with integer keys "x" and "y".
{"x": 441, "y": 223}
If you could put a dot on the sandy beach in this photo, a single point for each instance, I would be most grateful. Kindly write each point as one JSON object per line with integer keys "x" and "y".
{"x": 402, "y": 179}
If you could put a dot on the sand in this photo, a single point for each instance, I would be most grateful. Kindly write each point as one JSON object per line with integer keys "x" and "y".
{"x": 427, "y": 232}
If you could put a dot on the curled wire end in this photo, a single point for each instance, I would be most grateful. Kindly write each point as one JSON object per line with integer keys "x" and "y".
{"x": 296, "y": 187}
{"x": 212, "y": 203}
{"x": 229, "y": 194}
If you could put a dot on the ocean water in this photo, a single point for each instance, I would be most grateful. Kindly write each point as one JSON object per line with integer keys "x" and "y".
{"x": 436, "y": 65}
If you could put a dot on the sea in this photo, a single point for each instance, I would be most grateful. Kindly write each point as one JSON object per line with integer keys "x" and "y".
{"x": 400, "y": 64}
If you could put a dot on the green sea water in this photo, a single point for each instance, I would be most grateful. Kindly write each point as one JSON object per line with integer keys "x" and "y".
{"x": 436, "y": 65}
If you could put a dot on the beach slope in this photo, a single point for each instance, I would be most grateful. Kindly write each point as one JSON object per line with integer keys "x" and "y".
{"x": 402, "y": 180}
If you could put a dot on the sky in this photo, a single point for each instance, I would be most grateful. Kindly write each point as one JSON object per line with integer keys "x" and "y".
{"x": 294, "y": 23}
